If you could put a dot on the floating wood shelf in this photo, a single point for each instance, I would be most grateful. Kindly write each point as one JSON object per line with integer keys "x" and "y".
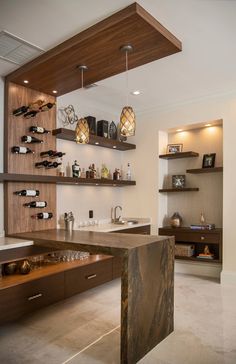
{"x": 205, "y": 170}
{"x": 187, "y": 189}
{"x": 189, "y": 154}
{"x": 99, "y": 48}
{"x": 63, "y": 180}
{"x": 98, "y": 141}
{"x": 198, "y": 259}
{"x": 47, "y": 270}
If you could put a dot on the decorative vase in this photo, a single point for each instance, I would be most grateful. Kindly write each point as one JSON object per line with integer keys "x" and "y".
{"x": 176, "y": 220}
{"x": 10, "y": 268}
{"x": 24, "y": 267}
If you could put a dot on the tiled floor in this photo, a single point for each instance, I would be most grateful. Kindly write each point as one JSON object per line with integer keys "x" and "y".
{"x": 85, "y": 328}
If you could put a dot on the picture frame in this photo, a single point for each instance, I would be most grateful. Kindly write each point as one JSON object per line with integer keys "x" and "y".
{"x": 178, "y": 181}
{"x": 174, "y": 148}
{"x": 208, "y": 160}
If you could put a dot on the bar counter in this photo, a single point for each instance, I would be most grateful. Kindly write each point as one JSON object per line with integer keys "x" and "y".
{"x": 147, "y": 281}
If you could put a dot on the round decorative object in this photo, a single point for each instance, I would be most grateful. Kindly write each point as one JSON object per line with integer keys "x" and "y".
{"x": 10, "y": 268}
{"x": 176, "y": 220}
{"x": 113, "y": 131}
{"x": 24, "y": 267}
{"x": 127, "y": 121}
{"x": 82, "y": 132}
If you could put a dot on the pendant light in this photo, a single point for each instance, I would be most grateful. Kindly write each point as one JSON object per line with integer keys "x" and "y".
{"x": 82, "y": 128}
{"x": 127, "y": 116}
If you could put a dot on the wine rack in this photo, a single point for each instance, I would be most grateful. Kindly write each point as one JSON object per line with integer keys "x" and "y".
{"x": 17, "y": 216}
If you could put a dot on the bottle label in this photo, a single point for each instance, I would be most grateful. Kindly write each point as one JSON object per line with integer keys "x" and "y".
{"x": 23, "y": 150}
{"x": 40, "y": 129}
{"x": 29, "y": 139}
{"x": 45, "y": 215}
{"x": 30, "y": 193}
{"x": 40, "y": 204}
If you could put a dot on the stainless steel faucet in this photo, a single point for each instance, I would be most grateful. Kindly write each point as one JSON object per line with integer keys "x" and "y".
{"x": 115, "y": 211}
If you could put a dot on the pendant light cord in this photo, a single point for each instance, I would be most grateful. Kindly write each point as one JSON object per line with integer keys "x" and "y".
{"x": 82, "y": 78}
{"x": 127, "y": 79}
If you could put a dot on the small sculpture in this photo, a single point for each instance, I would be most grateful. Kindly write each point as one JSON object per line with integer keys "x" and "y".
{"x": 202, "y": 218}
{"x": 206, "y": 250}
{"x": 104, "y": 171}
{"x": 176, "y": 220}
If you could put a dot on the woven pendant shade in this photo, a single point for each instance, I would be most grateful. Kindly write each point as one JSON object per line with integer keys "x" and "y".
{"x": 127, "y": 121}
{"x": 82, "y": 132}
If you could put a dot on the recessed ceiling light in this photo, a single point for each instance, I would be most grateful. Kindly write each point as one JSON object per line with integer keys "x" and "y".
{"x": 96, "y": 143}
{"x": 179, "y": 130}
{"x": 54, "y": 91}
{"x": 114, "y": 146}
{"x": 208, "y": 125}
{"x": 136, "y": 92}
{"x": 26, "y": 81}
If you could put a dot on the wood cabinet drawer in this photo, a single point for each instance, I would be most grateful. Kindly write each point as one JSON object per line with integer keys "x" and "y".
{"x": 192, "y": 236}
{"x": 143, "y": 230}
{"x": 88, "y": 276}
{"x": 24, "y": 298}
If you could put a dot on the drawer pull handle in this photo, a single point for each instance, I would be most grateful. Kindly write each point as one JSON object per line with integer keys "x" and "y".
{"x": 91, "y": 276}
{"x": 202, "y": 237}
{"x": 35, "y": 296}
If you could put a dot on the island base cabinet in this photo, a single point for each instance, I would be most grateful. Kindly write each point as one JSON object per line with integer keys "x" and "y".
{"x": 83, "y": 278}
{"x": 25, "y": 298}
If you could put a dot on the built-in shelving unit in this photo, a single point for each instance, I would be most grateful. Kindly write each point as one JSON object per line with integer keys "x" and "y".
{"x": 67, "y": 134}
{"x": 186, "y": 189}
{"x": 204, "y": 170}
{"x": 11, "y": 177}
{"x": 197, "y": 259}
{"x": 189, "y": 154}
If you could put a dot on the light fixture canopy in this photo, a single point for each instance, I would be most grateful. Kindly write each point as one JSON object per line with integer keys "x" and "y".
{"x": 127, "y": 117}
{"x": 82, "y": 128}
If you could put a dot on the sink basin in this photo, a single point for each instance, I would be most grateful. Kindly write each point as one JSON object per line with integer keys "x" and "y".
{"x": 132, "y": 222}
{"x": 123, "y": 222}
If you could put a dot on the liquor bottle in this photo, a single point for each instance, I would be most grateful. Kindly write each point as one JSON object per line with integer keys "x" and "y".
{"x": 36, "y": 204}
{"x": 47, "y": 106}
{"x": 76, "y": 171}
{"x": 43, "y": 215}
{"x": 21, "y": 150}
{"x": 30, "y": 139}
{"x": 53, "y": 165}
{"x": 20, "y": 111}
{"x": 38, "y": 130}
{"x": 27, "y": 193}
{"x": 31, "y": 114}
{"x": 61, "y": 171}
{"x": 128, "y": 174}
{"x": 43, "y": 164}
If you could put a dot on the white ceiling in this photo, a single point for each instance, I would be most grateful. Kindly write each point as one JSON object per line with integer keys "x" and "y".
{"x": 207, "y": 29}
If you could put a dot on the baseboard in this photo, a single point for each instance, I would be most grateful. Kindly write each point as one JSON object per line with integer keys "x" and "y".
{"x": 199, "y": 269}
{"x": 228, "y": 277}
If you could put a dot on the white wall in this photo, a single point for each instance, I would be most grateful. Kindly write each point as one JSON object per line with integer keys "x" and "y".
{"x": 145, "y": 198}
{"x": 1, "y": 151}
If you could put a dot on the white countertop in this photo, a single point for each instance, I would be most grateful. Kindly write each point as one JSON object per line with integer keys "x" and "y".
{"x": 109, "y": 227}
{"x": 11, "y": 243}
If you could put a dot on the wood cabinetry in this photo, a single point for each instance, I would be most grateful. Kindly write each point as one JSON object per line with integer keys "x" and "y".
{"x": 199, "y": 239}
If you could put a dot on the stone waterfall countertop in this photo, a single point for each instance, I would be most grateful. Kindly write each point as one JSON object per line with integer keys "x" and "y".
{"x": 107, "y": 227}
{"x": 12, "y": 243}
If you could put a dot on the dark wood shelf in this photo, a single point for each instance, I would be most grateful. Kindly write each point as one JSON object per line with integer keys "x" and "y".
{"x": 189, "y": 154}
{"x": 11, "y": 177}
{"x": 185, "y": 229}
{"x": 205, "y": 170}
{"x": 198, "y": 259}
{"x": 47, "y": 270}
{"x": 187, "y": 189}
{"x": 67, "y": 134}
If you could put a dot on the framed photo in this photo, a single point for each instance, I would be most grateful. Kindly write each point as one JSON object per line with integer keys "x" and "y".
{"x": 174, "y": 148}
{"x": 178, "y": 181}
{"x": 209, "y": 160}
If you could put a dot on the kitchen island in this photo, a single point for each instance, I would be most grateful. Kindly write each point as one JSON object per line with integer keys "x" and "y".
{"x": 147, "y": 281}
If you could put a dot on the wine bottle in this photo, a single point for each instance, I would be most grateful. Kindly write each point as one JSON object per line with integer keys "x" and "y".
{"x": 47, "y": 106}
{"x": 43, "y": 215}
{"x": 52, "y": 154}
{"x": 21, "y": 150}
{"x": 38, "y": 130}
{"x": 53, "y": 165}
{"x": 36, "y": 204}
{"x": 31, "y": 114}
{"x": 20, "y": 111}
{"x": 43, "y": 164}
{"x": 30, "y": 139}
{"x": 30, "y": 193}
{"x": 58, "y": 154}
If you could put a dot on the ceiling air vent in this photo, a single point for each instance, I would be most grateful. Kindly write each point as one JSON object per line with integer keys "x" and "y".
{"x": 16, "y": 50}
{"x": 91, "y": 85}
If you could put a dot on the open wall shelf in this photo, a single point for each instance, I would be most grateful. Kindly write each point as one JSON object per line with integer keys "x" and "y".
{"x": 187, "y": 189}
{"x": 205, "y": 170}
{"x": 11, "y": 177}
{"x": 67, "y": 134}
{"x": 189, "y": 154}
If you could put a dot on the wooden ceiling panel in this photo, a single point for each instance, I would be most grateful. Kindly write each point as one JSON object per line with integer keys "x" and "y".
{"x": 98, "y": 48}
